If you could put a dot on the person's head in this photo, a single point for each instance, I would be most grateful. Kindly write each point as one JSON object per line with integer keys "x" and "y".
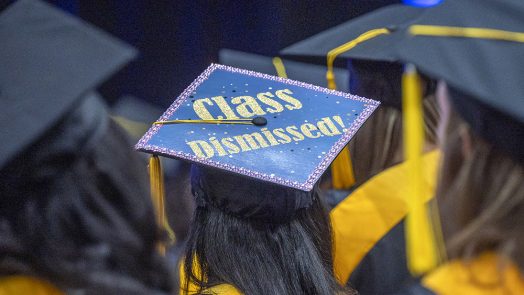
{"x": 481, "y": 187}
{"x": 259, "y": 237}
{"x": 74, "y": 210}
{"x": 378, "y": 144}
{"x": 74, "y": 205}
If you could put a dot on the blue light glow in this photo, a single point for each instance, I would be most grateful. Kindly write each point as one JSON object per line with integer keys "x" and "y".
{"x": 421, "y": 3}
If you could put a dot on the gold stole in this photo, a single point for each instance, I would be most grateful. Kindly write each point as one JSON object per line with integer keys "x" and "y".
{"x": 19, "y": 284}
{"x": 486, "y": 274}
{"x": 370, "y": 212}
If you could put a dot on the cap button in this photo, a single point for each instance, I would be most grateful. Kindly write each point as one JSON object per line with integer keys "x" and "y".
{"x": 259, "y": 121}
{"x": 392, "y": 28}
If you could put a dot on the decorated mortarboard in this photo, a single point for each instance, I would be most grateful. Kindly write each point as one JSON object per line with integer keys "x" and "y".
{"x": 51, "y": 64}
{"x": 304, "y": 72}
{"x": 270, "y": 128}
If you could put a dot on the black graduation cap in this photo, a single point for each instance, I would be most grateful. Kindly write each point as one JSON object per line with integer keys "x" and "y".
{"x": 309, "y": 73}
{"x": 51, "y": 64}
{"x": 385, "y": 22}
{"x": 367, "y": 41}
{"x": 477, "y": 47}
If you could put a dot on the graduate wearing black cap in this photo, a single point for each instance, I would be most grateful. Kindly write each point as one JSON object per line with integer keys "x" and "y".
{"x": 372, "y": 258}
{"x": 258, "y": 145}
{"x": 74, "y": 210}
{"x": 476, "y": 48}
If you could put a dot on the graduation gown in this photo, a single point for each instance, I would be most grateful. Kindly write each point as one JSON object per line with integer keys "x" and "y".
{"x": 486, "y": 274}
{"x": 369, "y": 251}
{"x": 18, "y": 284}
{"x": 223, "y": 289}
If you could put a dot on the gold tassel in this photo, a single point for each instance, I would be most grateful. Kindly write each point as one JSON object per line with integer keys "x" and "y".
{"x": 466, "y": 32}
{"x": 156, "y": 178}
{"x": 342, "y": 167}
{"x": 279, "y": 67}
{"x": 424, "y": 239}
{"x": 342, "y": 174}
{"x": 422, "y": 252}
{"x": 333, "y": 53}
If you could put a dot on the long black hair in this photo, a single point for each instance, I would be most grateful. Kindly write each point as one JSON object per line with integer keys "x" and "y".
{"x": 82, "y": 221}
{"x": 294, "y": 257}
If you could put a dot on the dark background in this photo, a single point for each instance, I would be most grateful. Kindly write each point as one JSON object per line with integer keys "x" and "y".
{"x": 178, "y": 39}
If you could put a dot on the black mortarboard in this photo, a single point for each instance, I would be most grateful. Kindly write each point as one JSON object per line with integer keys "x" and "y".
{"x": 51, "y": 62}
{"x": 266, "y": 139}
{"x": 367, "y": 41}
{"x": 309, "y": 73}
{"x": 376, "y": 47}
{"x": 477, "y": 47}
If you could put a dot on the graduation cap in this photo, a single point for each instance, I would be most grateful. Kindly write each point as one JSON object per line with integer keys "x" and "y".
{"x": 383, "y": 21}
{"x": 369, "y": 37}
{"x": 277, "y": 132}
{"x": 477, "y": 49}
{"x": 51, "y": 64}
{"x": 304, "y": 72}
{"x": 367, "y": 43}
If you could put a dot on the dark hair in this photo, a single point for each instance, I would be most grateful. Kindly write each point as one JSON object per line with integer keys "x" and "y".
{"x": 378, "y": 144}
{"x": 261, "y": 258}
{"x": 481, "y": 197}
{"x": 82, "y": 221}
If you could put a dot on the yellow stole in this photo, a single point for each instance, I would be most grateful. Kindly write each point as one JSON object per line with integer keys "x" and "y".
{"x": 192, "y": 289}
{"x": 486, "y": 274}
{"x": 18, "y": 284}
{"x": 370, "y": 212}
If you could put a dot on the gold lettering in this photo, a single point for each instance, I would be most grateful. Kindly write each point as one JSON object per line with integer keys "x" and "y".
{"x": 249, "y": 107}
{"x": 224, "y": 107}
{"x": 250, "y": 139}
{"x": 201, "y": 110}
{"x": 339, "y": 121}
{"x": 218, "y": 146}
{"x": 265, "y": 98}
{"x": 307, "y": 128}
{"x": 269, "y": 136}
{"x": 295, "y": 104}
{"x": 327, "y": 127}
{"x": 293, "y": 130}
{"x": 195, "y": 146}
{"x": 280, "y": 133}
{"x": 231, "y": 147}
